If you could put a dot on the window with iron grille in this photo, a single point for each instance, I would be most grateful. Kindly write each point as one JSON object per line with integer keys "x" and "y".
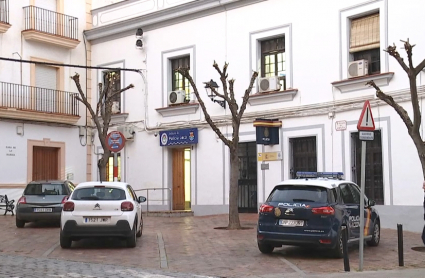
{"x": 365, "y": 41}
{"x": 178, "y": 81}
{"x": 273, "y": 59}
{"x": 115, "y": 78}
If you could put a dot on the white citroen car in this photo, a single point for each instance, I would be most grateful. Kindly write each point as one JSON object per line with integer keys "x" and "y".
{"x": 102, "y": 209}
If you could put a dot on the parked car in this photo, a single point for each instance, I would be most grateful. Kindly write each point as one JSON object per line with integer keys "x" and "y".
{"x": 42, "y": 201}
{"x": 102, "y": 209}
{"x": 312, "y": 210}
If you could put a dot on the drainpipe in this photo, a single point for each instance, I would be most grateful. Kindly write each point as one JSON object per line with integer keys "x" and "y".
{"x": 145, "y": 122}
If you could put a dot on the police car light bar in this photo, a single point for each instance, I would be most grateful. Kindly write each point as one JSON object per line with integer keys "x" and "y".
{"x": 338, "y": 175}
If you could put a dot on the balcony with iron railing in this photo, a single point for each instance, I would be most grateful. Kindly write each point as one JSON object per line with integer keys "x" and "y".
{"x": 50, "y": 27}
{"x": 38, "y": 104}
{"x": 4, "y": 16}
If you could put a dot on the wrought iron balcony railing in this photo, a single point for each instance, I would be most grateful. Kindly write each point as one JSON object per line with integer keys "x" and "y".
{"x": 51, "y": 22}
{"x": 4, "y": 11}
{"x": 38, "y": 99}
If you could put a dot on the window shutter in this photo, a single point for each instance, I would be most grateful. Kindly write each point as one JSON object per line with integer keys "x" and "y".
{"x": 364, "y": 33}
{"x": 45, "y": 77}
{"x": 46, "y": 4}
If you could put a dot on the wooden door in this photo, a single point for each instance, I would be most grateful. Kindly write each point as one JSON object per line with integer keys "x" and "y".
{"x": 178, "y": 179}
{"x": 45, "y": 163}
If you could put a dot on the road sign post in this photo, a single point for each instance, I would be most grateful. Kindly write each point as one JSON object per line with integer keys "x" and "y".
{"x": 365, "y": 126}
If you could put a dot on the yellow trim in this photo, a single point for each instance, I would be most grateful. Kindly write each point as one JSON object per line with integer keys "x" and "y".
{"x": 89, "y": 91}
{"x": 367, "y": 223}
{"x": 268, "y": 124}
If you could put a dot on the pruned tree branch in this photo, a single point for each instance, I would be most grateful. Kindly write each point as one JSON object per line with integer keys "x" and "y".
{"x": 408, "y": 47}
{"x": 390, "y": 101}
{"x": 84, "y": 100}
{"x": 420, "y": 67}
{"x": 185, "y": 73}
{"x": 246, "y": 95}
{"x": 392, "y": 50}
{"x": 120, "y": 91}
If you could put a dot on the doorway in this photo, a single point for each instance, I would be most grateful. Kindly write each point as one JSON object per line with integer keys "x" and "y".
{"x": 181, "y": 189}
{"x": 110, "y": 168}
{"x": 45, "y": 164}
{"x": 374, "y": 181}
{"x": 304, "y": 155}
{"x": 247, "y": 182}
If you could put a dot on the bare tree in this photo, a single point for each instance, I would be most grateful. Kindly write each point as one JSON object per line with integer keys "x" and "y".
{"x": 103, "y": 112}
{"x": 412, "y": 73}
{"x": 229, "y": 97}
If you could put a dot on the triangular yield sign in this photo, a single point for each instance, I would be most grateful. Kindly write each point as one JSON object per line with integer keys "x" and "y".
{"x": 366, "y": 121}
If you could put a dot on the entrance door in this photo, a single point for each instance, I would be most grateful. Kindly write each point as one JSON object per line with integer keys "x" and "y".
{"x": 247, "y": 183}
{"x": 178, "y": 179}
{"x": 374, "y": 183}
{"x": 45, "y": 163}
{"x": 304, "y": 155}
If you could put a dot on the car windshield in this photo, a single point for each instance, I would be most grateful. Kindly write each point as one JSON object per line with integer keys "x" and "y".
{"x": 98, "y": 193}
{"x": 45, "y": 189}
{"x": 295, "y": 194}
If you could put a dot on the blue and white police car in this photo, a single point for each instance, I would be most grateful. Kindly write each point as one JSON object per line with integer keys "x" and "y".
{"x": 312, "y": 210}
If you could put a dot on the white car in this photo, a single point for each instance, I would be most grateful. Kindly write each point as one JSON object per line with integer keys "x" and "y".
{"x": 102, "y": 209}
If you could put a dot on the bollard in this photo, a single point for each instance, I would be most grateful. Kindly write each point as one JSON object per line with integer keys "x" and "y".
{"x": 400, "y": 245}
{"x": 344, "y": 232}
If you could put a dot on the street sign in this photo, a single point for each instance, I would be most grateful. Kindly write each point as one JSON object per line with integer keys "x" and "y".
{"x": 115, "y": 141}
{"x": 366, "y": 135}
{"x": 366, "y": 127}
{"x": 340, "y": 125}
{"x": 366, "y": 122}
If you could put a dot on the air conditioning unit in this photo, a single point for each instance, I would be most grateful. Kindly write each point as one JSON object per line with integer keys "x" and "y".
{"x": 267, "y": 84}
{"x": 176, "y": 97}
{"x": 358, "y": 68}
{"x": 127, "y": 131}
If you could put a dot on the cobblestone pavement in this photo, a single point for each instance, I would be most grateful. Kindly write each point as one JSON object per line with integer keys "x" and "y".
{"x": 175, "y": 245}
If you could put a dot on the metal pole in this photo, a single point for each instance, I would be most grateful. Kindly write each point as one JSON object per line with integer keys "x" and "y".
{"x": 115, "y": 171}
{"x": 362, "y": 189}
{"x": 344, "y": 232}
{"x": 400, "y": 245}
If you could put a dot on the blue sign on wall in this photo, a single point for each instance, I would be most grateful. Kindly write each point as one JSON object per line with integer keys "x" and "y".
{"x": 176, "y": 137}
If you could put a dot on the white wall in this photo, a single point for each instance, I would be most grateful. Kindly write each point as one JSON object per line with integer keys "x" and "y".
{"x": 316, "y": 63}
{"x": 14, "y": 168}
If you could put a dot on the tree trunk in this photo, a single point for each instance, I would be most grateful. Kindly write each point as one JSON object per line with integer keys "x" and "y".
{"x": 234, "y": 222}
{"x": 420, "y": 147}
{"x": 102, "y": 163}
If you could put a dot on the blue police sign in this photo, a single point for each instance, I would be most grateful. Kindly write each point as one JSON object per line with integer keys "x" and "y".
{"x": 176, "y": 137}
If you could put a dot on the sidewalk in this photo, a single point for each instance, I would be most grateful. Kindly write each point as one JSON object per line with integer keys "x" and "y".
{"x": 193, "y": 245}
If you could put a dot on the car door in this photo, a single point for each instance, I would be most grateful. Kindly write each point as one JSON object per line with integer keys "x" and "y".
{"x": 367, "y": 210}
{"x": 136, "y": 202}
{"x": 352, "y": 209}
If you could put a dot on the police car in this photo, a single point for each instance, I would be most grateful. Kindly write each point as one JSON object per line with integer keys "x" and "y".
{"x": 312, "y": 210}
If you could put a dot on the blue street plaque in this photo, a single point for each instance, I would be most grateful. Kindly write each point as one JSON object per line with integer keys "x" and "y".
{"x": 176, "y": 137}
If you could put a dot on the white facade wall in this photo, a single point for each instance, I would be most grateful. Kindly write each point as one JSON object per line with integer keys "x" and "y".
{"x": 14, "y": 169}
{"x": 316, "y": 49}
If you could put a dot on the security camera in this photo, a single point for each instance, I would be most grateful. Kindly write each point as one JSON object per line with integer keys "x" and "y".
{"x": 156, "y": 134}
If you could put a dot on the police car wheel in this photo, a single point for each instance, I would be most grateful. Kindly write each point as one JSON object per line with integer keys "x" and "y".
{"x": 265, "y": 248}
{"x": 376, "y": 236}
{"x": 338, "y": 251}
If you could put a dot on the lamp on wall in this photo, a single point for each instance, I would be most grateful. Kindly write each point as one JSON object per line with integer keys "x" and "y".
{"x": 208, "y": 88}
{"x": 139, "y": 35}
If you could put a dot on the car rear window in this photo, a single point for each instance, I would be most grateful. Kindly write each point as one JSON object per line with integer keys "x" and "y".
{"x": 98, "y": 193}
{"x": 45, "y": 189}
{"x": 294, "y": 194}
